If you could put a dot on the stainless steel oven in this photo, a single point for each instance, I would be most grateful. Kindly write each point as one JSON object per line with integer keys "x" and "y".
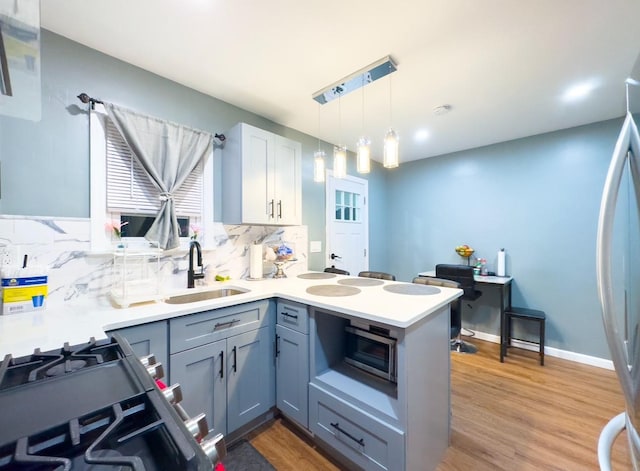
{"x": 372, "y": 349}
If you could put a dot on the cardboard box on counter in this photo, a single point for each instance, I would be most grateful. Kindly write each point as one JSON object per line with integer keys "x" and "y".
{"x": 23, "y": 290}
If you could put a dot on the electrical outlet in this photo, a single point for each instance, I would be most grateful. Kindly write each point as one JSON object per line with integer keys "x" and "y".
{"x": 8, "y": 255}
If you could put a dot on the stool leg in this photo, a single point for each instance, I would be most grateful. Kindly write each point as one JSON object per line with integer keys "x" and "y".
{"x": 508, "y": 342}
{"x": 542, "y": 322}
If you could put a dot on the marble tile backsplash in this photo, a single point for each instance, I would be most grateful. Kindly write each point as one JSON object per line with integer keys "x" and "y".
{"x": 61, "y": 248}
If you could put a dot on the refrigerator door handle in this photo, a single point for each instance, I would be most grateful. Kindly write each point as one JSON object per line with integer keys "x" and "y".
{"x": 627, "y": 140}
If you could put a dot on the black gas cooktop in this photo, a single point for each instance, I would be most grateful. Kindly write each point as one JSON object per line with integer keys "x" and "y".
{"x": 89, "y": 407}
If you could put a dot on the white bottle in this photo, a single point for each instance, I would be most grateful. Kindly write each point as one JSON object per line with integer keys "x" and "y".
{"x": 502, "y": 263}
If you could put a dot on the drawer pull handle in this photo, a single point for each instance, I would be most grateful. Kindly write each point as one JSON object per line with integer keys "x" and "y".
{"x": 227, "y": 324}
{"x": 337, "y": 427}
{"x": 286, "y": 314}
{"x": 221, "y": 364}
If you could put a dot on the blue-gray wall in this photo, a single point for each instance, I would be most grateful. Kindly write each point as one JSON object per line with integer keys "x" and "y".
{"x": 537, "y": 197}
{"x": 45, "y": 165}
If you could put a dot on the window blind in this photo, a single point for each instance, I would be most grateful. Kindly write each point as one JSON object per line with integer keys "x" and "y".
{"x": 129, "y": 189}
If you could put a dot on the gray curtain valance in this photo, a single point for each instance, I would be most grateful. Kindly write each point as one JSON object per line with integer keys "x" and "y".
{"x": 168, "y": 153}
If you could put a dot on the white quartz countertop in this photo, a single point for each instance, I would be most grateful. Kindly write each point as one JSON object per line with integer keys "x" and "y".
{"x": 76, "y": 322}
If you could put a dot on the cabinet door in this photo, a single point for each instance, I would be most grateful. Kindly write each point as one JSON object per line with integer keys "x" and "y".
{"x": 292, "y": 374}
{"x": 258, "y": 201}
{"x": 201, "y": 372}
{"x": 251, "y": 377}
{"x": 146, "y": 339}
{"x": 288, "y": 180}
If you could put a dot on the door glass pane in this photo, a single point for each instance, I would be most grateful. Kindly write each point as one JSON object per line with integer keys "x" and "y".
{"x": 347, "y": 206}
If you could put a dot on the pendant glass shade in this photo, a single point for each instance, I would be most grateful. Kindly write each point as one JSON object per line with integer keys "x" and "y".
{"x": 339, "y": 162}
{"x": 363, "y": 155}
{"x": 318, "y": 166}
{"x": 391, "y": 148}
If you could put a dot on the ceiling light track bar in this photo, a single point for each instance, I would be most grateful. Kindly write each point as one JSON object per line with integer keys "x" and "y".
{"x": 356, "y": 80}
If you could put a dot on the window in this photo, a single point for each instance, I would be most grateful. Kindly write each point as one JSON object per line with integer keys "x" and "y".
{"x": 347, "y": 206}
{"x": 122, "y": 192}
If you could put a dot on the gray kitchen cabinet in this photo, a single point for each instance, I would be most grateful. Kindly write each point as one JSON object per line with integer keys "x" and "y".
{"x": 261, "y": 178}
{"x": 375, "y": 423}
{"x": 201, "y": 374}
{"x": 250, "y": 377}
{"x": 228, "y": 372}
{"x": 146, "y": 339}
{"x": 292, "y": 361}
{"x": 363, "y": 438}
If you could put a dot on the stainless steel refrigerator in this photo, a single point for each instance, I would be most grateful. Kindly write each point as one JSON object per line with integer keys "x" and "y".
{"x": 618, "y": 275}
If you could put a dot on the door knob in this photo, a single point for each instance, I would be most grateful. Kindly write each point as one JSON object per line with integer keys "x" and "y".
{"x": 334, "y": 256}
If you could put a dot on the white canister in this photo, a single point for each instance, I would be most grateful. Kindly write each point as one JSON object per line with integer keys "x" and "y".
{"x": 501, "y": 269}
{"x": 255, "y": 261}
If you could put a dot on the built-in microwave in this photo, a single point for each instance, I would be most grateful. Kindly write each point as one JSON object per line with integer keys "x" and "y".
{"x": 372, "y": 349}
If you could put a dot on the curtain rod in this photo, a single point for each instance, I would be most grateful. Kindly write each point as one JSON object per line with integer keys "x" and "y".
{"x": 84, "y": 98}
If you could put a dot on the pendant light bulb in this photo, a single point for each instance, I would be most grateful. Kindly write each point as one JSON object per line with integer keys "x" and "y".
{"x": 339, "y": 162}
{"x": 318, "y": 166}
{"x": 363, "y": 155}
{"x": 391, "y": 147}
{"x": 318, "y": 158}
{"x": 363, "y": 146}
{"x": 391, "y": 144}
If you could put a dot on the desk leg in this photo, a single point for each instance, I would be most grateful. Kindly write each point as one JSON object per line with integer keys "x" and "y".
{"x": 503, "y": 324}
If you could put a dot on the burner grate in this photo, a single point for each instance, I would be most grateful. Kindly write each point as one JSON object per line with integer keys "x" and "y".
{"x": 39, "y": 365}
{"x": 130, "y": 435}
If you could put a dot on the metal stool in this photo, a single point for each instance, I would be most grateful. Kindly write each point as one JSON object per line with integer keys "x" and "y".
{"x": 527, "y": 315}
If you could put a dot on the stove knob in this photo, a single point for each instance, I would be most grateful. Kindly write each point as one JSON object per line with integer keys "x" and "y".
{"x": 173, "y": 393}
{"x": 148, "y": 360}
{"x": 215, "y": 448}
{"x": 197, "y": 426}
{"x": 156, "y": 370}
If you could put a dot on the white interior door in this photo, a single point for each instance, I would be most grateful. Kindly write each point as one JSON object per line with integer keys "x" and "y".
{"x": 347, "y": 223}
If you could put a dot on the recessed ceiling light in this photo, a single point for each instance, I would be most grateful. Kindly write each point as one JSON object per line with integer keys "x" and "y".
{"x": 421, "y": 135}
{"x": 579, "y": 91}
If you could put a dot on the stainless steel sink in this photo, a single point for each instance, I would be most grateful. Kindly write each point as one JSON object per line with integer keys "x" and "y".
{"x": 204, "y": 295}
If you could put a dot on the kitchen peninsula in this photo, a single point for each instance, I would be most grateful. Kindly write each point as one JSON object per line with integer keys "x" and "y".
{"x": 376, "y": 424}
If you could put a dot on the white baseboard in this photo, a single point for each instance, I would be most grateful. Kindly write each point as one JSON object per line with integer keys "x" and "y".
{"x": 550, "y": 351}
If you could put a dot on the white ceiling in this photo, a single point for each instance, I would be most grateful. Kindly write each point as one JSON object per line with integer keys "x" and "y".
{"x": 502, "y": 65}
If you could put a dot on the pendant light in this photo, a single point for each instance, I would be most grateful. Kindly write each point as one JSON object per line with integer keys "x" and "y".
{"x": 339, "y": 151}
{"x": 339, "y": 161}
{"x": 318, "y": 158}
{"x": 391, "y": 140}
{"x": 363, "y": 147}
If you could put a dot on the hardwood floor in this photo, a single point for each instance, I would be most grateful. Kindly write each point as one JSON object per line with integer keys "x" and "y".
{"x": 511, "y": 416}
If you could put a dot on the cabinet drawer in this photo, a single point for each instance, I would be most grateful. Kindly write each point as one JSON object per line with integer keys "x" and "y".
{"x": 293, "y": 315}
{"x": 360, "y": 437}
{"x": 205, "y": 327}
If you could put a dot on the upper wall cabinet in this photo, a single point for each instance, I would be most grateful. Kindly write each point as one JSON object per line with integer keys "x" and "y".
{"x": 261, "y": 178}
